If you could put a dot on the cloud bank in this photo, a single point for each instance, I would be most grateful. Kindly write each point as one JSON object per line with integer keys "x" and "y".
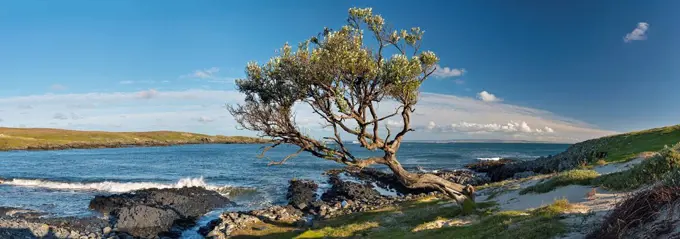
{"x": 437, "y": 117}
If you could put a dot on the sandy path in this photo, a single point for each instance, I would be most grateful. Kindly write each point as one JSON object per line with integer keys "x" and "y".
{"x": 588, "y": 211}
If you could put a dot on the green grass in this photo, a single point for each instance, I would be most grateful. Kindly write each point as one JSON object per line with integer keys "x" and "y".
{"x": 647, "y": 172}
{"x": 627, "y": 146}
{"x": 571, "y": 177}
{"x": 25, "y": 138}
{"x": 423, "y": 219}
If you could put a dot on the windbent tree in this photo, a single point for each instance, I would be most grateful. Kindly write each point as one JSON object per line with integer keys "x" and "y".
{"x": 343, "y": 79}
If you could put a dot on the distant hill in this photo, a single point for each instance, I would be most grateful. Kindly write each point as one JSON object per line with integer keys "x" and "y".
{"x": 50, "y": 139}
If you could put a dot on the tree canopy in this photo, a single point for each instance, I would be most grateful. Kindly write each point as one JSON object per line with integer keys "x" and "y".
{"x": 342, "y": 77}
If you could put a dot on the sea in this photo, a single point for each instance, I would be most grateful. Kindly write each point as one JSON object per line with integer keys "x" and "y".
{"x": 62, "y": 183}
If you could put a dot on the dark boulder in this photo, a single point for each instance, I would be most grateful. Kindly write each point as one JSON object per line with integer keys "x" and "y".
{"x": 343, "y": 190}
{"x": 488, "y": 165}
{"x": 301, "y": 193}
{"x": 158, "y": 212}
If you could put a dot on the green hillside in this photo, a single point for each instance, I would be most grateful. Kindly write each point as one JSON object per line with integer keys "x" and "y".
{"x": 626, "y": 146}
{"x": 46, "y": 139}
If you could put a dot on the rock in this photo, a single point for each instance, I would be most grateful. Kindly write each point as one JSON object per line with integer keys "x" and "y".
{"x": 488, "y": 165}
{"x": 154, "y": 212}
{"x": 301, "y": 193}
{"x": 341, "y": 191}
{"x": 106, "y": 230}
{"x": 226, "y": 224}
{"x": 576, "y": 155}
{"x": 19, "y": 212}
{"x": 463, "y": 177}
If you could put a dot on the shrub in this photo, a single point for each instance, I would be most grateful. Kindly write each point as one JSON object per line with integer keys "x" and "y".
{"x": 571, "y": 177}
{"x": 636, "y": 210}
{"x": 649, "y": 171}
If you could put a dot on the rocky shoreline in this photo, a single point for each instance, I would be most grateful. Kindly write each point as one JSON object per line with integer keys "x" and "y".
{"x": 166, "y": 213}
{"x": 149, "y": 213}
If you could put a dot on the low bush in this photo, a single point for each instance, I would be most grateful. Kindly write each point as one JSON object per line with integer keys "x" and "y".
{"x": 571, "y": 177}
{"x": 649, "y": 171}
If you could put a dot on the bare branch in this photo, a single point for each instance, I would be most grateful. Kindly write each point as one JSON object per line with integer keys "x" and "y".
{"x": 285, "y": 159}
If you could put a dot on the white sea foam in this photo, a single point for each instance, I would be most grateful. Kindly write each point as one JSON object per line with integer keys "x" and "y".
{"x": 115, "y": 187}
{"x": 489, "y": 159}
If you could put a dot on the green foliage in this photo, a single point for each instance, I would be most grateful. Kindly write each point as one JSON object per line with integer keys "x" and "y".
{"x": 571, "y": 177}
{"x": 672, "y": 178}
{"x": 649, "y": 171}
{"x": 339, "y": 67}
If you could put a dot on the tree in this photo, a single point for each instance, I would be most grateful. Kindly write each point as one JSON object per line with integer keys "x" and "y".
{"x": 342, "y": 79}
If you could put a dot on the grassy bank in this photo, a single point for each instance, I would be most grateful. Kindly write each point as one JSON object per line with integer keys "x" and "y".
{"x": 627, "y": 146}
{"x": 48, "y": 139}
{"x": 428, "y": 218}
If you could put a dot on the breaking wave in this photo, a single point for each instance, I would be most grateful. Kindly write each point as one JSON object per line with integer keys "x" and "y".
{"x": 122, "y": 187}
{"x": 489, "y": 159}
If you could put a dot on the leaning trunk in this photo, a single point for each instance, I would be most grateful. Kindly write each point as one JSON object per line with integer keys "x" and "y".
{"x": 430, "y": 181}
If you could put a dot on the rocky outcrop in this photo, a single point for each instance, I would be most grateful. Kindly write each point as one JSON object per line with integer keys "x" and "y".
{"x": 488, "y": 165}
{"x": 463, "y": 177}
{"x": 301, "y": 193}
{"x": 157, "y": 212}
{"x": 576, "y": 155}
{"x": 23, "y": 223}
{"x": 342, "y": 191}
{"x": 231, "y": 221}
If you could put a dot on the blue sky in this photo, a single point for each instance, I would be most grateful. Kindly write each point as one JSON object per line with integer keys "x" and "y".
{"x": 148, "y": 65}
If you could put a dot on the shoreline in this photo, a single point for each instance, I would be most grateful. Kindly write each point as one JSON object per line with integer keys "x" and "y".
{"x": 49, "y": 147}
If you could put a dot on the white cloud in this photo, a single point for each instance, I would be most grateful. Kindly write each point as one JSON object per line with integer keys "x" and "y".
{"x": 549, "y": 130}
{"x": 524, "y": 127}
{"x": 203, "y": 74}
{"x": 147, "y": 94}
{"x": 638, "y": 34}
{"x": 431, "y": 125}
{"x": 446, "y": 72}
{"x": 57, "y": 87}
{"x": 126, "y": 82}
{"x": 459, "y": 81}
{"x": 488, "y": 97}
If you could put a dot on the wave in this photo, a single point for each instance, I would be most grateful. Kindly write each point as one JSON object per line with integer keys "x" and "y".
{"x": 122, "y": 187}
{"x": 489, "y": 159}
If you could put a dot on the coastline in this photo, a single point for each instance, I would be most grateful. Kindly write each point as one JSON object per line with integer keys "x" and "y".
{"x": 39, "y": 139}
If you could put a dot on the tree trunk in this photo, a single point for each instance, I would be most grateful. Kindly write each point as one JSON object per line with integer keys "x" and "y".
{"x": 419, "y": 181}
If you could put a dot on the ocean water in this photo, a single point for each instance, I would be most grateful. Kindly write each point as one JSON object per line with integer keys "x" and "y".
{"x": 62, "y": 183}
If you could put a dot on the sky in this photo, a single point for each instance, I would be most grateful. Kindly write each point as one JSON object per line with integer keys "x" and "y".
{"x": 561, "y": 71}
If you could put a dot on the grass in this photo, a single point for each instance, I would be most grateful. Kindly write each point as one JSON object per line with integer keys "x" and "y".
{"x": 35, "y": 138}
{"x": 424, "y": 219}
{"x": 571, "y": 177}
{"x": 624, "y": 147}
{"x": 647, "y": 172}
